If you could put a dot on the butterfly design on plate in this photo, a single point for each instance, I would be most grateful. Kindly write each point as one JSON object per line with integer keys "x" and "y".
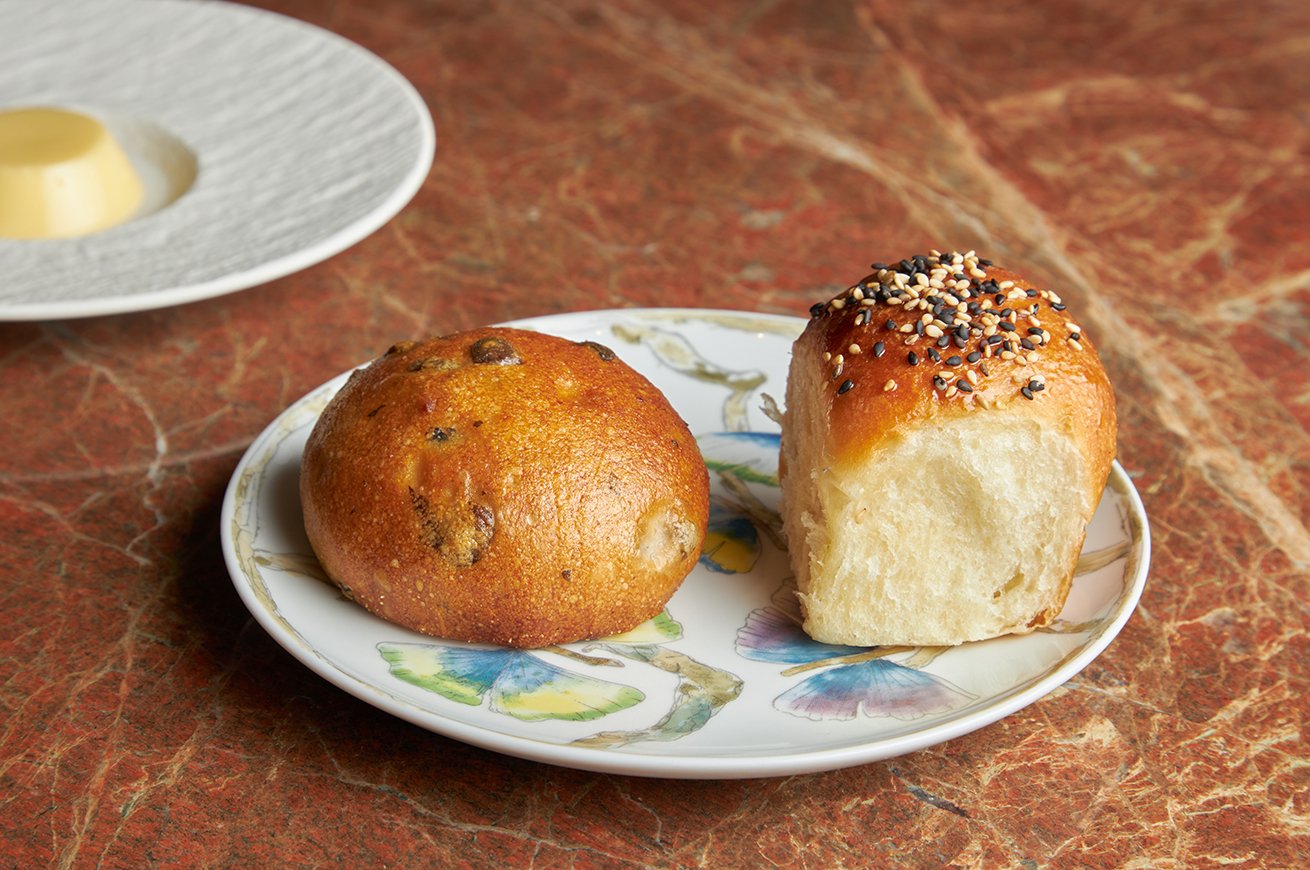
{"x": 523, "y": 683}
{"x": 849, "y": 681}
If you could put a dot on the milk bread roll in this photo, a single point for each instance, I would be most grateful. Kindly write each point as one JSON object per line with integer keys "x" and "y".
{"x": 949, "y": 428}
{"x": 504, "y": 486}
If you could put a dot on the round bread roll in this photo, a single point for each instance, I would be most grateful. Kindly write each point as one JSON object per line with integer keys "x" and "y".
{"x": 948, "y": 432}
{"x": 506, "y": 487}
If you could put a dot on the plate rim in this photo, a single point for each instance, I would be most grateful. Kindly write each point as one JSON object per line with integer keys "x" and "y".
{"x": 340, "y": 239}
{"x": 686, "y": 766}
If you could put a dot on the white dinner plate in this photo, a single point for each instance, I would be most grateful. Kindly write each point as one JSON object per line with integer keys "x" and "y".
{"x": 724, "y": 683}
{"x": 265, "y": 144}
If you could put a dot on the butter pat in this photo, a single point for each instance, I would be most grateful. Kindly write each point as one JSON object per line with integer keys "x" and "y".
{"x": 62, "y": 175}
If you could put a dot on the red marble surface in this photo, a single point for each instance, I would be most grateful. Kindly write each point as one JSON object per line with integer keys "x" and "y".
{"x": 1151, "y": 161}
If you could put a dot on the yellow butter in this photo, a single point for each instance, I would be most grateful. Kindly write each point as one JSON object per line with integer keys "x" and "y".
{"x": 62, "y": 175}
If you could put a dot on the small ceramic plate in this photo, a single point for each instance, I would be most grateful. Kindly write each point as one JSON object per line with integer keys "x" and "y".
{"x": 724, "y": 683}
{"x": 265, "y": 146}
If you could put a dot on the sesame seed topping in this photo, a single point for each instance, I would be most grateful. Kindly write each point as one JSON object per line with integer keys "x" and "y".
{"x": 889, "y": 386}
{"x": 845, "y": 387}
{"x": 949, "y": 301}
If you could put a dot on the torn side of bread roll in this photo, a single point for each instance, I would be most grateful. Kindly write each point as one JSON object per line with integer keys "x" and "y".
{"x": 949, "y": 429}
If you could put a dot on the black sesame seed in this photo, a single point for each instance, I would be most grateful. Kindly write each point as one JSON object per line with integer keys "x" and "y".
{"x": 959, "y": 342}
{"x": 879, "y": 348}
{"x": 1034, "y": 330}
{"x": 953, "y": 360}
{"x": 973, "y": 356}
{"x": 964, "y": 386}
{"x": 817, "y": 309}
{"x": 999, "y": 298}
{"x": 1036, "y": 386}
{"x": 943, "y": 341}
{"x": 846, "y": 386}
{"x": 890, "y": 324}
{"x": 1030, "y": 293}
{"x": 1059, "y": 306}
{"x": 1027, "y": 393}
{"x": 1026, "y": 344}
{"x": 938, "y": 382}
{"x": 936, "y": 357}
{"x": 878, "y": 267}
{"x": 1006, "y": 325}
{"x": 984, "y": 263}
{"x": 912, "y": 358}
{"x": 918, "y": 327}
{"x": 1076, "y": 336}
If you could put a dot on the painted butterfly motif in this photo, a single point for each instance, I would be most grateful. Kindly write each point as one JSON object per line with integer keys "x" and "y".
{"x": 737, "y": 517}
{"x": 851, "y": 681}
{"x": 521, "y": 683}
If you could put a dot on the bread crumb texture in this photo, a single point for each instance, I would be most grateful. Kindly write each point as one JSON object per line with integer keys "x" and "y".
{"x": 949, "y": 429}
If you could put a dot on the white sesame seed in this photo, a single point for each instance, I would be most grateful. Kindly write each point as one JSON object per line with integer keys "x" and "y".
{"x": 1074, "y": 343}
{"x": 906, "y": 327}
{"x": 952, "y": 390}
{"x": 935, "y": 331}
{"x": 853, "y": 349}
{"x": 889, "y": 386}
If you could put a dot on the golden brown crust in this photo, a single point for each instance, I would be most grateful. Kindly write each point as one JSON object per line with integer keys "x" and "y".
{"x": 939, "y": 337}
{"x": 873, "y": 393}
{"x": 505, "y": 486}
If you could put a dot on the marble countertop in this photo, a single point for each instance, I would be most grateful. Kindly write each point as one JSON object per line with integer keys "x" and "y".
{"x": 1152, "y": 162}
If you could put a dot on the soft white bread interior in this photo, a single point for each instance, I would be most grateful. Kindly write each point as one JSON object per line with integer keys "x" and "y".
{"x": 938, "y": 492}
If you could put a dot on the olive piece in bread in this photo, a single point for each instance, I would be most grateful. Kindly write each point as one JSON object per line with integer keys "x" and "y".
{"x": 949, "y": 429}
{"x": 504, "y": 486}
